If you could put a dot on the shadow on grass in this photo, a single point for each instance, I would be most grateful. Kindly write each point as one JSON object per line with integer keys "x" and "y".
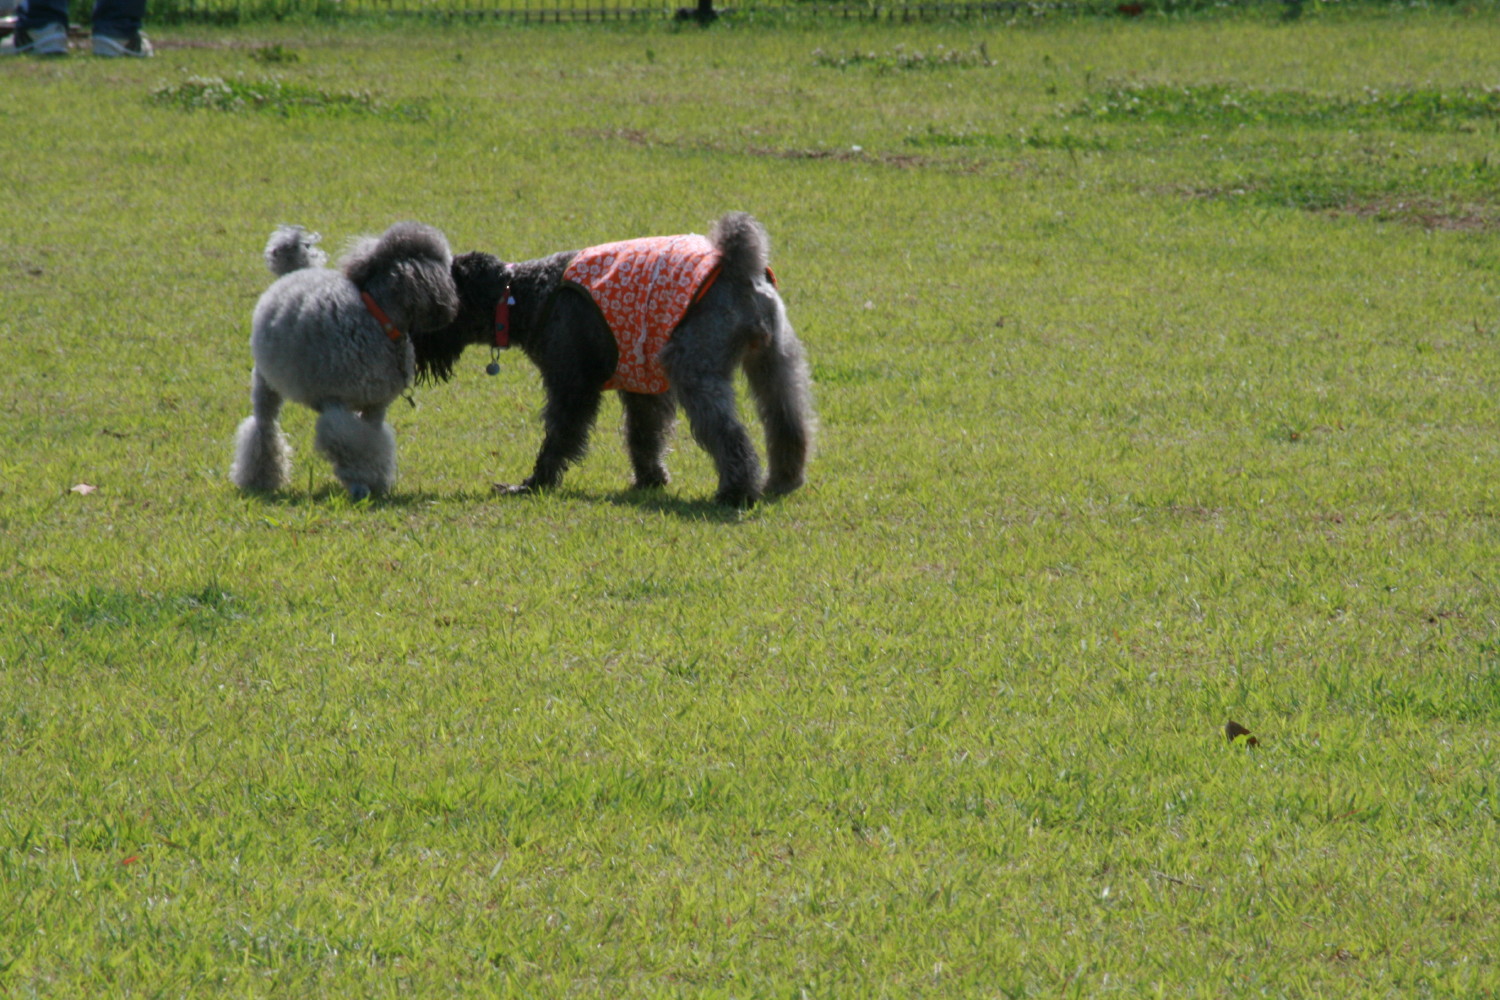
{"x": 654, "y": 501}
{"x": 657, "y": 502}
{"x": 201, "y": 610}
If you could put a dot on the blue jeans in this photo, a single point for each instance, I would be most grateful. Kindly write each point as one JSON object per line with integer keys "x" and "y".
{"x": 112, "y": 18}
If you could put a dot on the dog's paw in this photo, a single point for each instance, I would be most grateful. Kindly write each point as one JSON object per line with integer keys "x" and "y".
{"x": 738, "y": 498}
{"x": 781, "y": 487}
{"x": 655, "y": 481}
{"x": 358, "y": 492}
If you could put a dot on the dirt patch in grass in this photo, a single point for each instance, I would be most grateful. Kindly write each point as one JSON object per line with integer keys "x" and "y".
{"x": 1024, "y": 139}
{"x": 850, "y": 154}
{"x": 1217, "y": 105}
{"x": 903, "y": 58}
{"x": 854, "y": 154}
{"x": 1426, "y": 211}
{"x": 1441, "y": 185}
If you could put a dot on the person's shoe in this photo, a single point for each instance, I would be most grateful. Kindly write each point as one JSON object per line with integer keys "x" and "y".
{"x": 137, "y": 46}
{"x": 48, "y": 40}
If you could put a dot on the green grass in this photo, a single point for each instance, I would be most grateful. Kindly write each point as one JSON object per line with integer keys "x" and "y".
{"x": 273, "y": 96}
{"x": 1134, "y": 422}
{"x": 1221, "y": 106}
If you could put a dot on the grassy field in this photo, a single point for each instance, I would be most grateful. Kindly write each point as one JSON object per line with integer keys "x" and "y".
{"x": 1157, "y": 365}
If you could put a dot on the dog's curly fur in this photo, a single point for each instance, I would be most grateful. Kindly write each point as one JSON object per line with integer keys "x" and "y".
{"x": 739, "y": 322}
{"x": 314, "y": 342}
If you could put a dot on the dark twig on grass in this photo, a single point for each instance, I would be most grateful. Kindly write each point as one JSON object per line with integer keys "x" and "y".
{"x": 1179, "y": 881}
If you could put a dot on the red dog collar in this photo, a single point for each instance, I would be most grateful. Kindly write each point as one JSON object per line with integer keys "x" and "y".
{"x": 502, "y": 319}
{"x": 386, "y": 324}
{"x": 502, "y": 330}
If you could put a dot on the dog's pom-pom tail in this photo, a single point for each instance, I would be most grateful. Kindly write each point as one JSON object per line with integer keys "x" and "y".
{"x": 744, "y": 243}
{"x": 262, "y": 457}
{"x": 291, "y": 248}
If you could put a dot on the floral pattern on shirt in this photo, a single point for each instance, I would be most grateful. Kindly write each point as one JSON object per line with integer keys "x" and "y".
{"x": 644, "y": 287}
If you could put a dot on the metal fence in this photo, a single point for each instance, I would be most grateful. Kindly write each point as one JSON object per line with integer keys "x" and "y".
{"x": 561, "y": 11}
{"x": 574, "y": 11}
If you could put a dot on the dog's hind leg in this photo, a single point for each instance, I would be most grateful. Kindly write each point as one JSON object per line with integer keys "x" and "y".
{"x": 262, "y": 456}
{"x": 362, "y": 449}
{"x": 649, "y": 420}
{"x": 709, "y": 404}
{"x": 779, "y": 380}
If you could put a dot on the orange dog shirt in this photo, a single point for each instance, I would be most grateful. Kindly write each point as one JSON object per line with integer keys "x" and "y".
{"x": 644, "y": 288}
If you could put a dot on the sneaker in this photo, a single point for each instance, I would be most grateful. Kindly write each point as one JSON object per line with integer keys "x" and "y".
{"x": 137, "y": 46}
{"x": 48, "y": 40}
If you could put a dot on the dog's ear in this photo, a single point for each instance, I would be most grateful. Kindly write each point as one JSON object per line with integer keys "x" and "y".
{"x": 480, "y": 279}
{"x": 367, "y": 257}
{"x": 437, "y": 351}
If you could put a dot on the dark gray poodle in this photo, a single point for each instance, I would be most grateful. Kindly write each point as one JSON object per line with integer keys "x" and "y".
{"x": 340, "y": 342}
{"x": 664, "y": 321}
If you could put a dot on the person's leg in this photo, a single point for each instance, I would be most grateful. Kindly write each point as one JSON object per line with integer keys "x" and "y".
{"x": 41, "y": 29}
{"x": 35, "y": 14}
{"x": 117, "y": 28}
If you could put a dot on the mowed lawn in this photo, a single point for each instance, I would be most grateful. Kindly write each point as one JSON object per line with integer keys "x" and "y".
{"x": 1157, "y": 366}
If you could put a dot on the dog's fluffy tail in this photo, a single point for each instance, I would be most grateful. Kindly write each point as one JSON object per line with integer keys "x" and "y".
{"x": 744, "y": 244}
{"x": 291, "y": 248}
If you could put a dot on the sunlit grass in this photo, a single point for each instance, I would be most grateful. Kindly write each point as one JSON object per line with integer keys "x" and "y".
{"x": 1122, "y": 439}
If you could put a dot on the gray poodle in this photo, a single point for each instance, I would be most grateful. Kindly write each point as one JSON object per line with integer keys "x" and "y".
{"x": 340, "y": 342}
{"x": 589, "y": 321}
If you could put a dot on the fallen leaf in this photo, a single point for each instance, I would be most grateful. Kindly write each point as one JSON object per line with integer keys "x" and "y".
{"x": 1233, "y": 731}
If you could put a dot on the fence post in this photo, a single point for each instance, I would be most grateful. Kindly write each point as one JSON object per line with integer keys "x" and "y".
{"x": 703, "y": 13}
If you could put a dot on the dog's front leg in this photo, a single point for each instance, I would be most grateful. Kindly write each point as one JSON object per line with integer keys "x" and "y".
{"x": 362, "y": 450}
{"x": 568, "y": 418}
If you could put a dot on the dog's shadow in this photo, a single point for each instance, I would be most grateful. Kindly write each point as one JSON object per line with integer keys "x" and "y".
{"x": 655, "y": 501}
{"x": 652, "y": 501}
